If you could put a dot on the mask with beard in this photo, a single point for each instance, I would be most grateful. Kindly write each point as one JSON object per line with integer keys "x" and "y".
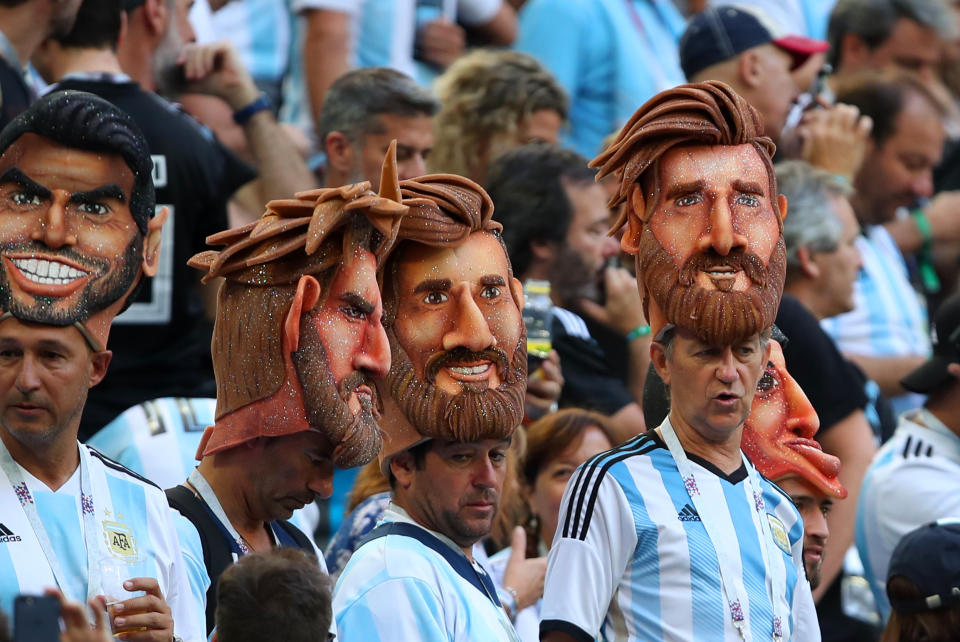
{"x": 717, "y": 317}
{"x": 357, "y": 437}
{"x": 103, "y": 290}
{"x": 470, "y": 415}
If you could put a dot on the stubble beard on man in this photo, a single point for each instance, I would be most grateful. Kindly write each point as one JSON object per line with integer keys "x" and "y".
{"x": 98, "y": 294}
{"x": 717, "y": 318}
{"x": 572, "y": 279}
{"x": 39, "y": 441}
{"x": 356, "y": 438}
{"x": 475, "y": 413}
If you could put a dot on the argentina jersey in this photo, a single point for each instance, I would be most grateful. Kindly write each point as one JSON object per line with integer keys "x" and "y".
{"x": 630, "y": 539}
{"x": 396, "y": 587}
{"x": 135, "y": 535}
{"x": 158, "y": 438}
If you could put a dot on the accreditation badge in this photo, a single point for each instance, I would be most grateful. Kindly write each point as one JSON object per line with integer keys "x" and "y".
{"x": 779, "y": 532}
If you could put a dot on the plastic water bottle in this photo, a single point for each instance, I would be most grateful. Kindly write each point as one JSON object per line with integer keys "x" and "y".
{"x": 538, "y": 319}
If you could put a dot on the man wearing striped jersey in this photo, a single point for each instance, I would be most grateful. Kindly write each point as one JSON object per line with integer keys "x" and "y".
{"x": 675, "y": 533}
{"x": 75, "y": 183}
{"x": 452, "y": 399}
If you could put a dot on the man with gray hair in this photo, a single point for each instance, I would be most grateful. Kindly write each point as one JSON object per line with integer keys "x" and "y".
{"x": 823, "y": 262}
{"x": 821, "y": 234}
{"x": 363, "y": 111}
{"x": 879, "y": 34}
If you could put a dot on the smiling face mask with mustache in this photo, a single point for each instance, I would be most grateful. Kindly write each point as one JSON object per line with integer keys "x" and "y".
{"x": 478, "y": 411}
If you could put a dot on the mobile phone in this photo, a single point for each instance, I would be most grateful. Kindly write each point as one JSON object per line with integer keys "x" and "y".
{"x": 36, "y": 618}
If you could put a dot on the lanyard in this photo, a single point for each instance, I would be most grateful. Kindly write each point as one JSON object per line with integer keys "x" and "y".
{"x": 12, "y": 470}
{"x": 237, "y": 545}
{"x": 10, "y": 54}
{"x": 732, "y": 582}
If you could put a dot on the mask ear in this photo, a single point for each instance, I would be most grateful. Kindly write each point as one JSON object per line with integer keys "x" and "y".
{"x": 151, "y": 244}
{"x": 636, "y": 206}
{"x": 308, "y": 293}
{"x": 782, "y": 202}
{"x": 516, "y": 289}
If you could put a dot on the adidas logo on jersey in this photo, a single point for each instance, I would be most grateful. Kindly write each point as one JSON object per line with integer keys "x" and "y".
{"x": 6, "y": 535}
{"x": 688, "y": 514}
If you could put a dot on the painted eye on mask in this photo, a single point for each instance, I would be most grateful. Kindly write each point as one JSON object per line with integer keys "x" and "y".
{"x": 768, "y": 382}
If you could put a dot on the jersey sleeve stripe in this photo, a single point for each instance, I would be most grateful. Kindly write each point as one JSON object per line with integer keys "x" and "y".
{"x": 600, "y": 464}
{"x": 583, "y": 477}
{"x": 109, "y": 463}
{"x": 596, "y": 487}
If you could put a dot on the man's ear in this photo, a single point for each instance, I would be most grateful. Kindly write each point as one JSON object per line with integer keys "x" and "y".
{"x": 151, "y": 244}
{"x": 306, "y": 297}
{"x": 658, "y": 357}
{"x": 340, "y": 152}
{"x": 99, "y": 362}
{"x": 543, "y": 251}
{"x": 636, "y": 206}
{"x": 853, "y": 52}
{"x": 808, "y": 266}
{"x": 749, "y": 69}
{"x": 782, "y": 202}
{"x": 157, "y": 17}
{"x": 402, "y": 467}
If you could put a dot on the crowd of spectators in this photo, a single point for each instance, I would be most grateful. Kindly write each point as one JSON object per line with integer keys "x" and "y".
{"x": 244, "y": 101}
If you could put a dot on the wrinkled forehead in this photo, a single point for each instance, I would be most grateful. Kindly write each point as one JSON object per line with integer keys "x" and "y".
{"x": 358, "y": 275}
{"x": 14, "y": 332}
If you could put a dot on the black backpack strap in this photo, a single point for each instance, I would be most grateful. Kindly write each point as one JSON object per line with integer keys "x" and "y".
{"x": 217, "y": 555}
{"x": 299, "y": 538}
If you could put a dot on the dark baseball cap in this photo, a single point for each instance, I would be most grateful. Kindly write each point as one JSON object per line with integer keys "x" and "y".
{"x": 720, "y": 33}
{"x": 930, "y": 558}
{"x": 946, "y": 350}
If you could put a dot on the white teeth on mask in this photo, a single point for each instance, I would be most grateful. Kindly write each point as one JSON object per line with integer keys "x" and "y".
{"x": 470, "y": 370}
{"x": 47, "y": 272}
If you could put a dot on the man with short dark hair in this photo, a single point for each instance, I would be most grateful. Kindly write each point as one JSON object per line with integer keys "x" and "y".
{"x": 79, "y": 233}
{"x": 362, "y": 112}
{"x": 879, "y": 34}
{"x": 275, "y": 595}
{"x": 555, "y": 228}
{"x": 886, "y": 333}
{"x": 452, "y": 399}
{"x": 162, "y": 342}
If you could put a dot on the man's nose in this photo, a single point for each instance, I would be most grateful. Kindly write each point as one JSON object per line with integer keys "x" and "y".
{"x": 922, "y": 184}
{"x": 468, "y": 328}
{"x": 413, "y": 167}
{"x": 727, "y": 368}
{"x": 28, "y": 378}
{"x": 321, "y": 484}
{"x": 720, "y": 234}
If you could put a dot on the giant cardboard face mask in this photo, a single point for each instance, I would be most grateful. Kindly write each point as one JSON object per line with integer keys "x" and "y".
{"x": 71, "y": 250}
{"x": 298, "y": 337}
{"x": 778, "y": 433}
{"x": 702, "y": 212}
{"x": 454, "y": 321}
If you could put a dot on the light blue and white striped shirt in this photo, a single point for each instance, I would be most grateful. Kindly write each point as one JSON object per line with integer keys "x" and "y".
{"x": 397, "y": 587}
{"x": 633, "y": 546}
{"x": 135, "y": 527}
{"x": 889, "y": 318}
